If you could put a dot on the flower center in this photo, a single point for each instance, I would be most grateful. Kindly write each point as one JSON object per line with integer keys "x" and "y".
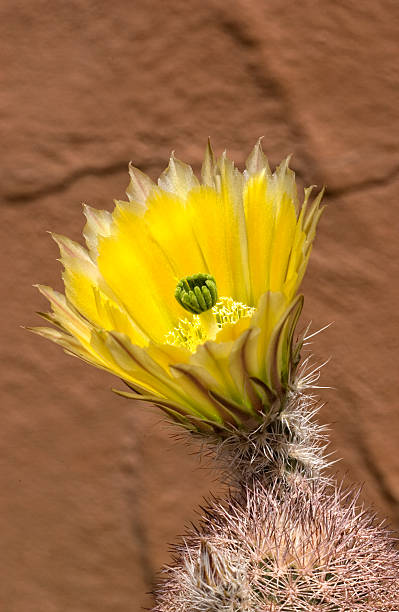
{"x": 190, "y": 333}
{"x": 197, "y": 293}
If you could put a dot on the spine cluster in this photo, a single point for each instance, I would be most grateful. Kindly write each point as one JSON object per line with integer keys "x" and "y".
{"x": 288, "y": 445}
{"x": 283, "y": 549}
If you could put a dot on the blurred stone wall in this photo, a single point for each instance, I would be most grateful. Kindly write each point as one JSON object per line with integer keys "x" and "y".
{"x": 93, "y": 488}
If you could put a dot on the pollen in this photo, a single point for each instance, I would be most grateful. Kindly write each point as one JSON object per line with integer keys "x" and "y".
{"x": 190, "y": 333}
{"x": 228, "y": 312}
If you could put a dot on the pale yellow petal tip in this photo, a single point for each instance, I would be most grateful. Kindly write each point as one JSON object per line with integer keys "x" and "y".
{"x": 89, "y": 211}
{"x": 43, "y": 289}
{"x": 178, "y": 177}
{"x": 208, "y": 170}
{"x": 140, "y": 186}
{"x": 257, "y": 161}
{"x": 69, "y": 249}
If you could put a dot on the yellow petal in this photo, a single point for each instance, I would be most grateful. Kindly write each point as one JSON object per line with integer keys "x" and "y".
{"x": 178, "y": 178}
{"x": 84, "y": 288}
{"x": 114, "y": 317}
{"x": 257, "y": 161}
{"x": 167, "y": 355}
{"x": 209, "y": 167}
{"x": 213, "y": 357}
{"x": 232, "y": 331}
{"x": 240, "y": 372}
{"x": 80, "y": 275}
{"x": 137, "y": 365}
{"x": 231, "y": 188}
{"x": 139, "y": 274}
{"x": 139, "y": 188}
{"x": 194, "y": 387}
{"x": 66, "y": 316}
{"x": 98, "y": 224}
{"x": 260, "y": 213}
{"x": 170, "y": 226}
{"x": 218, "y": 233}
{"x": 283, "y": 236}
{"x": 270, "y": 309}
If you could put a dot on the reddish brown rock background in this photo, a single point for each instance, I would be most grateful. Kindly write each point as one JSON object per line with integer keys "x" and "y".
{"x": 93, "y": 488}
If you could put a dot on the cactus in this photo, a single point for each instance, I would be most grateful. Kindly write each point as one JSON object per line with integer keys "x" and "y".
{"x": 283, "y": 548}
{"x": 217, "y": 353}
{"x": 287, "y": 538}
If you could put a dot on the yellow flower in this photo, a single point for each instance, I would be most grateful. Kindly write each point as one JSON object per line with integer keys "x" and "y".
{"x": 188, "y": 290}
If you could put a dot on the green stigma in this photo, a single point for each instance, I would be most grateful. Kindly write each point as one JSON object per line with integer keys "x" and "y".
{"x": 197, "y": 293}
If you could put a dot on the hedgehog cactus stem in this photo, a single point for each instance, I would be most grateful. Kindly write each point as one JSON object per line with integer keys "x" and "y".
{"x": 283, "y": 548}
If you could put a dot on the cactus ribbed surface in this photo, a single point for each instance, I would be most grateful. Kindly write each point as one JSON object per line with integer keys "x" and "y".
{"x": 284, "y": 548}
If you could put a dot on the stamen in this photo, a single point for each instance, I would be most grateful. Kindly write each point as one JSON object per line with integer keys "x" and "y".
{"x": 189, "y": 334}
